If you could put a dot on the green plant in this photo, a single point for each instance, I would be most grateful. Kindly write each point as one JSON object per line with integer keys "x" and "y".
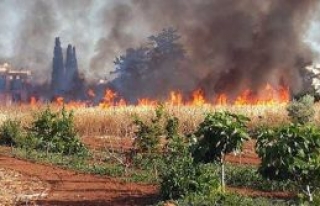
{"x": 291, "y": 153}
{"x": 219, "y": 134}
{"x": 248, "y": 176}
{"x": 180, "y": 175}
{"x": 172, "y": 127}
{"x": 302, "y": 110}
{"x": 11, "y": 133}
{"x": 148, "y": 135}
{"x": 55, "y": 132}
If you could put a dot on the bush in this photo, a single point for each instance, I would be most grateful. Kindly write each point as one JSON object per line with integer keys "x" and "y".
{"x": 220, "y": 134}
{"x": 54, "y": 132}
{"x": 148, "y": 135}
{"x": 11, "y": 133}
{"x": 302, "y": 111}
{"x": 180, "y": 175}
{"x": 291, "y": 153}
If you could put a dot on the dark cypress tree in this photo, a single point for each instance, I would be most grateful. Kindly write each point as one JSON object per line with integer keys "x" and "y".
{"x": 57, "y": 69}
{"x": 76, "y": 77}
{"x": 69, "y": 65}
{"x": 72, "y": 73}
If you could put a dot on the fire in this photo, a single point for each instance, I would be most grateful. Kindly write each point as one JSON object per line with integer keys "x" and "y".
{"x": 33, "y": 101}
{"x": 109, "y": 99}
{"x": 59, "y": 101}
{"x": 222, "y": 100}
{"x": 91, "y": 94}
{"x": 198, "y": 98}
{"x": 175, "y": 99}
{"x": 267, "y": 96}
{"x": 244, "y": 98}
{"x": 145, "y": 102}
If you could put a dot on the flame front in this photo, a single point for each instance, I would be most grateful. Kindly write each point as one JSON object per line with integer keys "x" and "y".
{"x": 108, "y": 99}
{"x": 268, "y": 96}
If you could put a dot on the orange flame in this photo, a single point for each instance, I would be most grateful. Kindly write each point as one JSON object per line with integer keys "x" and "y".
{"x": 91, "y": 93}
{"x": 198, "y": 98}
{"x": 175, "y": 99}
{"x": 222, "y": 100}
{"x": 269, "y": 95}
{"x": 108, "y": 99}
{"x": 244, "y": 98}
{"x": 33, "y": 101}
{"x": 59, "y": 101}
{"x": 145, "y": 102}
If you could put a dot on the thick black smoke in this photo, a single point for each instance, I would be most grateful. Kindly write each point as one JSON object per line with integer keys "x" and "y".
{"x": 231, "y": 44}
{"x": 240, "y": 44}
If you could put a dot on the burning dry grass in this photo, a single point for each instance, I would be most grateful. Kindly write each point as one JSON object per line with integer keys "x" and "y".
{"x": 117, "y": 121}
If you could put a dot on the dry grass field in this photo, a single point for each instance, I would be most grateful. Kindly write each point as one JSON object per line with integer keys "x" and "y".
{"x": 117, "y": 121}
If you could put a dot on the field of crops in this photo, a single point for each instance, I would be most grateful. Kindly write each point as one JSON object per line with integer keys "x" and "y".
{"x": 117, "y": 121}
{"x": 110, "y": 134}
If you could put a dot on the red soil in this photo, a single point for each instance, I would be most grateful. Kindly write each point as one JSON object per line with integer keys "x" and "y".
{"x": 72, "y": 188}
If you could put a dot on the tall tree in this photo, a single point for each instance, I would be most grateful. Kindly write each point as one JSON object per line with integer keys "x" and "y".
{"x": 153, "y": 70}
{"x": 57, "y": 69}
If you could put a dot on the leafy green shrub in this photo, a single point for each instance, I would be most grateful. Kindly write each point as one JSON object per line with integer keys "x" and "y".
{"x": 55, "y": 133}
{"x": 172, "y": 127}
{"x": 11, "y": 133}
{"x": 248, "y": 176}
{"x": 148, "y": 135}
{"x": 302, "y": 110}
{"x": 219, "y": 134}
{"x": 148, "y": 161}
{"x": 291, "y": 153}
{"x": 180, "y": 175}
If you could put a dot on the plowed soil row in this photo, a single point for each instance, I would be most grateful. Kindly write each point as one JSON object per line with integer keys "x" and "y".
{"x": 71, "y": 188}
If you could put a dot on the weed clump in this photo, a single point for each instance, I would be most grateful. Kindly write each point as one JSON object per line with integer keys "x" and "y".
{"x": 302, "y": 111}
{"x": 11, "y": 133}
{"x": 148, "y": 135}
{"x": 54, "y": 132}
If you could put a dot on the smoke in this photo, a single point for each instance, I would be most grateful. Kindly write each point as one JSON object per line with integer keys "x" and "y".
{"x": 37, "y": 30}
{"x": 119, "y": 17}
{"x": 241, "y": 44}
{"x": 231, "y": 44}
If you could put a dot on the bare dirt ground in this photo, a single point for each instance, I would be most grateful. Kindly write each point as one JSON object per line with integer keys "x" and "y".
{"x": 16, "y": 187}
{"x": 70, "y": 188}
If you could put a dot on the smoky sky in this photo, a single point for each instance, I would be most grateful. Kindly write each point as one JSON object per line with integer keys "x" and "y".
{"x": 231, "y": 44}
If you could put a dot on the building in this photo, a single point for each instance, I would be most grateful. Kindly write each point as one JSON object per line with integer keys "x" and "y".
{"x": 14, "y": 84}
